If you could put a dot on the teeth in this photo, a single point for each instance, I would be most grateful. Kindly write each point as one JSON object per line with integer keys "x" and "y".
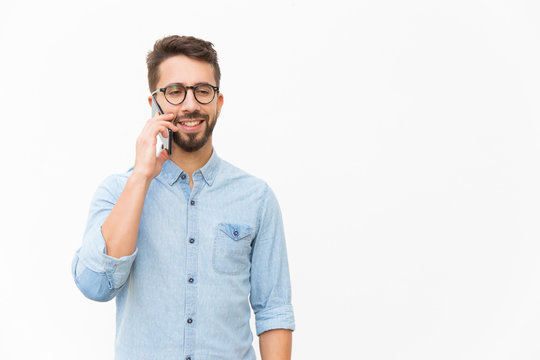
{"x": 191, "y": 123}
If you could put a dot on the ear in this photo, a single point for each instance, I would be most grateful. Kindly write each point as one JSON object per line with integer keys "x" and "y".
{"x": 219, "y": 103}
{"x": 150, "y": 100}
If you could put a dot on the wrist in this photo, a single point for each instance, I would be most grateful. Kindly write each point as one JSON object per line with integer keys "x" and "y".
{"x": 140, "y": 179}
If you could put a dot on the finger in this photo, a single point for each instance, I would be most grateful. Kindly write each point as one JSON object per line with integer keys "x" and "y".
{"x": 167, "y": 117}
{"x": 168, "y": 124}
{"x": 153, "y": 131}
{"x": 162, "y": 157}
{"x": 153, "y": 127}
{"x": 157, "y": 130}
{"x": 159, "y": 118}
{"x": 159, "y": 127}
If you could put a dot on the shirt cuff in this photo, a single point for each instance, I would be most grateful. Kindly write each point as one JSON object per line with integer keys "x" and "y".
{"x": 281, "y": 317}
{"x": 94, "y": 257}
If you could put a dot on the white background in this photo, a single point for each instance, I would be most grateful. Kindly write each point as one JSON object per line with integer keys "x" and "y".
{"x": 400, "y": 137}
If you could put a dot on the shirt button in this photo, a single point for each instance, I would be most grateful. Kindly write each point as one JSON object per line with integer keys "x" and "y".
{"x": 235, "y": 232}
{"x": 191, "y": 240}
{"x": 183, "y": 177}
{"x": 189, "y": 320}
{"x": 192, "y": 202}
{"x": 190, "y": 280}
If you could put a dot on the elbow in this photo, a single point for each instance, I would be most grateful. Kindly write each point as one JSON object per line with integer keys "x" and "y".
{"x": 95, "y": 286}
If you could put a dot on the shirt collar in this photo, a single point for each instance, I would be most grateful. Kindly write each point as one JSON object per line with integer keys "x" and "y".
{"x": 171, "y": 172}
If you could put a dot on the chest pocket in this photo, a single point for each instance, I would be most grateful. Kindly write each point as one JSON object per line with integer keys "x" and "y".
{"x": 232, "y": 248}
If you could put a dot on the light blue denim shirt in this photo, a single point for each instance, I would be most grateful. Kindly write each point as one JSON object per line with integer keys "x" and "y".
{"x": 203, "y": 256}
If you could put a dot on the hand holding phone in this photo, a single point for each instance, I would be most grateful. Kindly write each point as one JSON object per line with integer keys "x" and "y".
{"x": 166, "y": 142}
{"x": 147, "y": 162}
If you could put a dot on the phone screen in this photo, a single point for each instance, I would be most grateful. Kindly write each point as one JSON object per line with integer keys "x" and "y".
{"x": 166, "y": 143}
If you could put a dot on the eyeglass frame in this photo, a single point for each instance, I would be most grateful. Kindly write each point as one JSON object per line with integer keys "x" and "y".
{"x": 193, "y": 88}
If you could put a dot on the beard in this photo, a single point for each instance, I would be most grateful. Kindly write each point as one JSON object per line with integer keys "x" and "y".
{"x": 191, "y": 142}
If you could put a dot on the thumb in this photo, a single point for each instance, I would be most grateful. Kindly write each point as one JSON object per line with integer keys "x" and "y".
{"x": 162, "y": 157}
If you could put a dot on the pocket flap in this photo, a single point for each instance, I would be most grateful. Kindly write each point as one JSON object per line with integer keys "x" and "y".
{"x": 235, "y": 232}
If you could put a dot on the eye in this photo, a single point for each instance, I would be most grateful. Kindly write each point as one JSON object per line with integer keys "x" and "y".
{"x": 175, "y": 90}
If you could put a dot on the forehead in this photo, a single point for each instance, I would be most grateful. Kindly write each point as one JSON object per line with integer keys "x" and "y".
{"x": 184, "y": 70}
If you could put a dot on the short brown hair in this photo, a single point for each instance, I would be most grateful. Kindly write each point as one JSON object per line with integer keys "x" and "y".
{"x": 173, "y": 45}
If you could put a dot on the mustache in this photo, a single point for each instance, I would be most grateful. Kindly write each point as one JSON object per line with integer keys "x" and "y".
{"x": 189, "y": 116}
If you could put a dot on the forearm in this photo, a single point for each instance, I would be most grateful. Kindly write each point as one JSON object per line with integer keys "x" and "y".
{"x": 276, "y": 344}
{"x": 121, "y": 227}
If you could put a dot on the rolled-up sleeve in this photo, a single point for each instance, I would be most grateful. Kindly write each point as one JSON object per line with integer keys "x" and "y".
{"x": 100, "y": 276}
{"x": 270, "y": 295}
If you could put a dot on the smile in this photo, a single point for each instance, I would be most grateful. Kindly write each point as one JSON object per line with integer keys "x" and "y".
{"x": 190, "y": 125}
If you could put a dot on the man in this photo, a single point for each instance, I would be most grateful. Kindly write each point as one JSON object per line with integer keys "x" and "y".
{"x": 181, "y": 241}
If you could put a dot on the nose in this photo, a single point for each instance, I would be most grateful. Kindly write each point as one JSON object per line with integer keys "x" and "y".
{"x": 190, "y": 104}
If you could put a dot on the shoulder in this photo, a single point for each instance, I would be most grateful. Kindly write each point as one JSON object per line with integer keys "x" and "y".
{"x": 114, "y": 184}
{"x": 255, "y": 189}
{"x": 234, "y": 176}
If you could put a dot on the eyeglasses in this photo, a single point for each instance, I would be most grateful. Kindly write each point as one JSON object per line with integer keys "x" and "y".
{"x": 175, "y": 94}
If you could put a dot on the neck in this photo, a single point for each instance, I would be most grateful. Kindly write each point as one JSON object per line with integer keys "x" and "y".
{"x": 191, "y": 161}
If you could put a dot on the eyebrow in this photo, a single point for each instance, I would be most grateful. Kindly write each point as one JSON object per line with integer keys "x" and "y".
{"x": 179, "y": 83}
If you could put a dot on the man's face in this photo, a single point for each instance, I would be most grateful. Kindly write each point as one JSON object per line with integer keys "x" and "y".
{"x": 189, "y": 72}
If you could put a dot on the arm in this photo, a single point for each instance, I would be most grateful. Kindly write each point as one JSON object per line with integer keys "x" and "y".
{"x": 122, "y": 225}
{"x": 102, "y": 265}
{"x": 270, "y": 284}
{"x": 276, "y": 344}
{"x": 97, "y": 274}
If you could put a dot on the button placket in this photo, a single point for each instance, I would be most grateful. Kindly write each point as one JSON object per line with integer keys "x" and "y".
{"x": 192, "y": 250}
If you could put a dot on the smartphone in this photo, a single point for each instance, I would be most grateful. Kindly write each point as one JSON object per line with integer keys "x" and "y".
{"x": 166, "y": 143}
